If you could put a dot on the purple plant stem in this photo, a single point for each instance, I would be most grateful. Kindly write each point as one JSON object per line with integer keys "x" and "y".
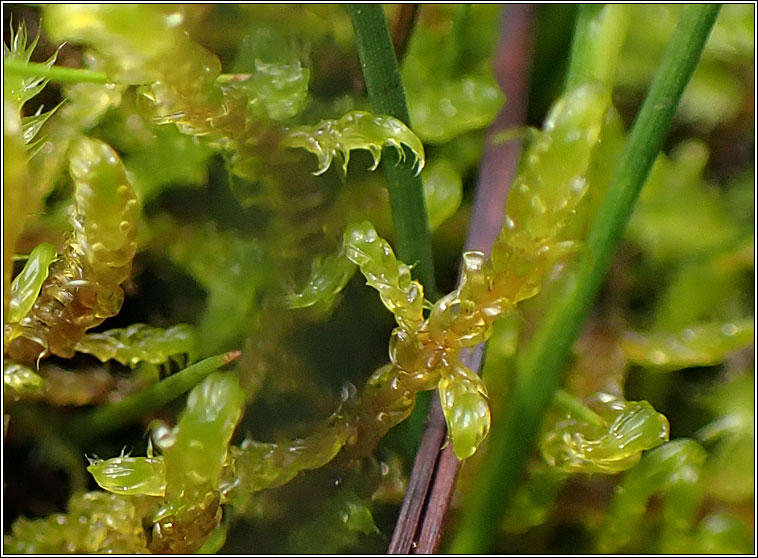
{"x": 401, "y": 28}
{"x": 430, "y": 488}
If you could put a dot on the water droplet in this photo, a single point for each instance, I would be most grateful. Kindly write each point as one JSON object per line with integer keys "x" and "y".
{"x": 657, "y": 356}
{"x": 579, "y": 185}
{"x": 348, "y": 392}
{"x": 174, "y": 20}
{"x": 729, "y": 329}
{"x": 447, "y": 107}
{"x": 538, "y": 204}
{"x": 134, "y": 122}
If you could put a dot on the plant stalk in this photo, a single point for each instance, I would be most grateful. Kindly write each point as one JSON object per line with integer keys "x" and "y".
{"x": 58, "y": 74}
{"x": 65, "y": 74}
{"x": 572, "y": 404}
{"x": 385, "y": 90}
{"x": 106, "y": 418}
{"x": 539, "y": 368}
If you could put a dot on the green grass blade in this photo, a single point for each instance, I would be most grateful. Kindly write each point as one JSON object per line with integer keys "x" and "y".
{"x": 385, "y": 89}
{"x": 106, "y": 418}
{"x": 58, "y": 74}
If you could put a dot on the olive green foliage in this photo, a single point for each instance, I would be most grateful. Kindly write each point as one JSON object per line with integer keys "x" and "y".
{"x": 614, "y": 445}
{"x": 27, "y": 284}
{"x": 455, "y": 91}
{"x": 84, "y": 287}
{"x": 96, "y": 522}
{"x": 356, "y": 130}
{"x": 21, "y": 381}
{"x": 140, "y": 343}
{"x": 173, "y": 221}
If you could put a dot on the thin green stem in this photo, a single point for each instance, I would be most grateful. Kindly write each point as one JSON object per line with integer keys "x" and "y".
{"x": 385, "y": 90}
{"x": 600, "y": 34}
{"x": 571, "y": 403}
{"x": 64, "y": 74}
{"x": 58, "y": 74}
{"x": 454, "y": 44}
{"x": 539, "y": 370}
{"x": 106, "y": 418}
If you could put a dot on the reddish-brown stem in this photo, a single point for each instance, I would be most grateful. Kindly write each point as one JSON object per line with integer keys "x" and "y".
{"x": 401, "y": 28}
{"x": 430, "y": 488}
{"x": 404, "y": 536}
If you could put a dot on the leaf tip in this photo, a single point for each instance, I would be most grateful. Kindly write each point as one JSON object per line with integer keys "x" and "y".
{"x": 231, "y": 356}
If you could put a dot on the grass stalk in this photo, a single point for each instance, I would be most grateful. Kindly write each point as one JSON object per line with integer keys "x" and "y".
{"x": 106, "y": 418}
{"x": 58, "y": 74}
{"x": 571, "y": 403}
{"x": 385, "y": 90}
{"x": 65, "y": 74}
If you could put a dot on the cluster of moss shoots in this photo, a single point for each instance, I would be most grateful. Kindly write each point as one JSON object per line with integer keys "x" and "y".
{"x": 172, "y": 500}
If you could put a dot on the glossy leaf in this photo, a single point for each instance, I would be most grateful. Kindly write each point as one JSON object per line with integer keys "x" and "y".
{"x": 31, "y": 127}
{"x": 197, "y": 449}
{"x": 447, "y": 98}
{"x": 675, "y": 464}
{"x": 280, "y": 89}
{"x": 700, "y": 344}
{"x": 328, "y": 277}
{"x": 84, "y": 286}
{"x": 442, "y": 113}
{"x": 130, "y": 475}
{"x": 141, "y": 343}
{"x": 356, "y": 130}
{"x": 27, "y": 284}
{"x": 463, "y": 396}
{"x": 573, "y": 445}
{"x": 257, "y": 466}
{"x": 403, "y": 296}
{"x": 20, "y": 382}
{"x": 194, "y": 454}
{"x": 443, "y": 192}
